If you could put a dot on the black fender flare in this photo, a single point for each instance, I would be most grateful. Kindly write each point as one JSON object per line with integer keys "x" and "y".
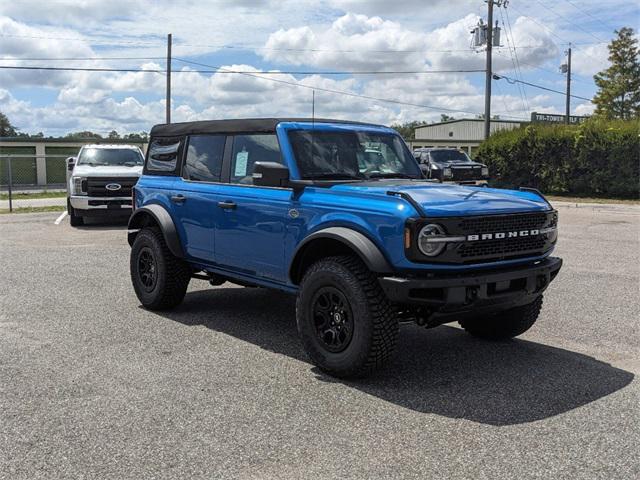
{"x": 162, "y": 218}
{"x": 364, "y": 247}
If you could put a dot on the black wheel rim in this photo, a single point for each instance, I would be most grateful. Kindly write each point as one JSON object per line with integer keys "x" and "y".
{"x": 147, "y": 268}
{"x": 332, "y": 319}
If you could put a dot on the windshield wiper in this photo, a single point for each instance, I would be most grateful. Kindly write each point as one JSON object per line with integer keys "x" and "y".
{"x": 333, "y": 176}
{"x": 392, "y": 175}
{"x": 131, "y": 164}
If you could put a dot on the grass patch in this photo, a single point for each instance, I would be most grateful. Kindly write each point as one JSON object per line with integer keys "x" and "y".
{"x": 31, "y": 195}
{"x": 560, "y": 198}
{"x": 50, "y": 208}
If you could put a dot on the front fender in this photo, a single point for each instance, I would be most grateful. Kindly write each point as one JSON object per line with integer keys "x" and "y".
{"x": 364, "y": 247}
{"x": 156, "y": 215}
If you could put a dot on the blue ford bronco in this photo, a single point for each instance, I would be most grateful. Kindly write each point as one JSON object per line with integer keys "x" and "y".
{"x": 339, "y": 214}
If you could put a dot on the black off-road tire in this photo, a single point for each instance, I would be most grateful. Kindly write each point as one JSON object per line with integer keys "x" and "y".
{"x": 507, "y": 324}
{"x": 172, "y": 275}
{"x": 373, "y": 318}
{"x": 74, "y": 220}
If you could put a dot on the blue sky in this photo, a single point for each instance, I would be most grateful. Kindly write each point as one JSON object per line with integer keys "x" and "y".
{"x": 311, "y": 36}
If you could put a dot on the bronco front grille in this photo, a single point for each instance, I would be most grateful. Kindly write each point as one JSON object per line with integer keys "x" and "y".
{"x": 476, "y": 249}
{"x": 97, "y": 186}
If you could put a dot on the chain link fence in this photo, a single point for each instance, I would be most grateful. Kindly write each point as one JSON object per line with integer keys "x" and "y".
{"x": 32, "y": 180}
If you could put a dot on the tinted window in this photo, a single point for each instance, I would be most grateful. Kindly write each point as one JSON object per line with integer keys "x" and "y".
{"x": 249, "y": 149}
{"x": 454, "y": 156}
{"x": 110, "y": 156}
{"x": 204, "y": 158}
{"x": 163, "y": 154}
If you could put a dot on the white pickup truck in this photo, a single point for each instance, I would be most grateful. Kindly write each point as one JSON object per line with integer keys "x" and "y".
{"x": 100, "y": 181}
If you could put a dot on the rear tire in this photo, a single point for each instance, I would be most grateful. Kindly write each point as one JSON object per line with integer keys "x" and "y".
{"x": 74, "y": 220}
{"x": 346, "y": 324}
{"x": 507, "y": 324}
{"x": 159, "y": 278}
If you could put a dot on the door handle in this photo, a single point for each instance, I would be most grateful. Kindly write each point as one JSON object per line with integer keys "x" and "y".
{"x": 228, "y": 205}
{"x": 178, "y": 198}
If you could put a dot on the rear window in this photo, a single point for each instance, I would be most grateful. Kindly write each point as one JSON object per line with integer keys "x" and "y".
{"x": 163, "y": 155}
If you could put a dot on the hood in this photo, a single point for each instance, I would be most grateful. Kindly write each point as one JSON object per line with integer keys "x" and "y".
{"x": 444, "y": 200}
{"x": 107, "y": 171}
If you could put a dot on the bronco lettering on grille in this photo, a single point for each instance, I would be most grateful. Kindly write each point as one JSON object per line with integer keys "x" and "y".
{"x": 501, "y": 235}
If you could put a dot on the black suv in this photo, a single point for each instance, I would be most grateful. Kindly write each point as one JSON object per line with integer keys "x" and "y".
{"x": 451, "y": 165}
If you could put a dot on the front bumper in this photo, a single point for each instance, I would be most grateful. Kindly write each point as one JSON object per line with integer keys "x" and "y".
{"x": 473, "y": 293}
{"x": 101, "y": 205}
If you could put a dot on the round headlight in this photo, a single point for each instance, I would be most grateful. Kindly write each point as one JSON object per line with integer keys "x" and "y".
{"x": 427, "y": 240}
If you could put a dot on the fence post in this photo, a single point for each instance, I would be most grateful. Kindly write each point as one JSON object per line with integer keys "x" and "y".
{"x": 10, "y": 180}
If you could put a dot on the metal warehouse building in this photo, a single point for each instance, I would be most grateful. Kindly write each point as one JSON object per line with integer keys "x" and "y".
{"x": 464, "y": 134}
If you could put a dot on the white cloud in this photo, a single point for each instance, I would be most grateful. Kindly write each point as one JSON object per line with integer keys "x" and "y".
{"x": 350, "y": 42}
{"x": 590, "y": 59}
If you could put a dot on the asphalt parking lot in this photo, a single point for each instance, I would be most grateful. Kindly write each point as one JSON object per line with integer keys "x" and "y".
{"x": 93, "y": 386}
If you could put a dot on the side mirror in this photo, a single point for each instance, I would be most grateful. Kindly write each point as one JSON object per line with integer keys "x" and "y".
{"x": 71, "y": 161}
{"x": 270, "y": 174}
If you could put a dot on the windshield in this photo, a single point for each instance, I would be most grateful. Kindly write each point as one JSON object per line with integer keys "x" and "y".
{"x": 449, "y": 156}
{"x": 351, "y": 155}
{"x": 110, "y": 156}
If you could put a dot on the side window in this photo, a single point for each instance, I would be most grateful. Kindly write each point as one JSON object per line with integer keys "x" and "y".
{"x": 163, "y": 154}
{"x": 249, "y": 149}
{"x": 204, "y": 158}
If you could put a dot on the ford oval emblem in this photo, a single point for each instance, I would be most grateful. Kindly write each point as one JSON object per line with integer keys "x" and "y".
{"x": 113, "y": 186}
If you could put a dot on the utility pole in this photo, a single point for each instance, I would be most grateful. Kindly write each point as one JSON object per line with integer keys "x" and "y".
{"x": 487, "y": 88}
{"x": 168, "y": 100}
{"x": 568, "y": 85}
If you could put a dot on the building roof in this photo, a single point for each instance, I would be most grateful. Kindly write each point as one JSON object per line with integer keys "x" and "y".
{"x": 242, "y": 125}
{"x": 498, "y": 120}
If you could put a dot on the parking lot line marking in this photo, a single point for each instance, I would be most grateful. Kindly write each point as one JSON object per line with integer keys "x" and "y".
{"x": 60, "y": 218}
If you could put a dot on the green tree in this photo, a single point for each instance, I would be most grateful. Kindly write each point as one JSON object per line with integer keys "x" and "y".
{"x": 6, "y": 129}
{"x": 446, "y": 118}
{"x": 83, "y": 134}
{"x": 618, "y": 96}
{"x": 407, "y": 129}
{"x": 113, "y": 135}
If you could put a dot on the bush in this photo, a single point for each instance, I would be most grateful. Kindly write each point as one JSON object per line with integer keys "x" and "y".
{"x": 598, "y": 158}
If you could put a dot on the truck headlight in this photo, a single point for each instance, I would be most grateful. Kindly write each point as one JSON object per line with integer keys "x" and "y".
{"x": 485, "y": 171}
{"x": 428, "y": 241}
{"x": 447, "y": 173}
{"x": 79, "y": 185}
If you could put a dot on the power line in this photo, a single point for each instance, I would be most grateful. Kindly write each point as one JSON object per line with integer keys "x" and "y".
{"x": 514, "y": 80}
{"x": 563, "y": 40}
{"x": 338, "y": 92}
{"x": 80, "y": 59}
{"x": 250, "y": 47}
{"x": 568, "y": 20}
{"x": 516, "y": 64}
{"x": 223, "y": 70}
{"x": 584, "y": 12}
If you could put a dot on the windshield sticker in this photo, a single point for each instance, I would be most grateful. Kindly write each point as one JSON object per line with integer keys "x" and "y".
{"x": 241, "y": 164}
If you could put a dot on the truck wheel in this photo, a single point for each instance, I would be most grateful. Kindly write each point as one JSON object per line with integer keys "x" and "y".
{"x": 159, "y": 278}
{"x": 507, "y": 324}
{"x": 346, "y": 324}
{"x": 74, "y": 220}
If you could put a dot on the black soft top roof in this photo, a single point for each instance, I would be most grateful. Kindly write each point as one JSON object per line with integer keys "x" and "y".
{"x": 241, "y": 125}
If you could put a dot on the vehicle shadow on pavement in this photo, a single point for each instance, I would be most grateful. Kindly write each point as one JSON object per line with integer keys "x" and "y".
{"x": 104, "y": 224}
{"x": 443, "y": 371}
